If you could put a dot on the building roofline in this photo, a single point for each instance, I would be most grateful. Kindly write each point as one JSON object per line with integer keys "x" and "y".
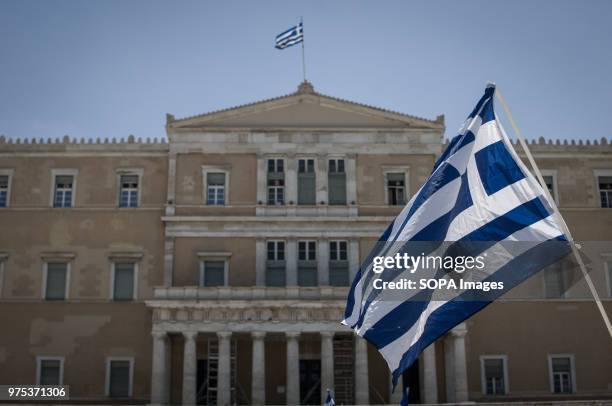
{"x": 306, "y": 89}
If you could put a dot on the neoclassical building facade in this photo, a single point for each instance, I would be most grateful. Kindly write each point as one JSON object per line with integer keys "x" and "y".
{"x": 213, "y": 267}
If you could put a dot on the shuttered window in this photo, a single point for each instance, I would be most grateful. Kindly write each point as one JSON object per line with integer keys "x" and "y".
{"x": 214, "y": 273}
{"x": 336, "y": 182}
{"x": 306, "y": 182}
{"x": 119, "y": 379}
{"x": 123, "y": 288}
{"x": 50, "y": 372}
{"x": 57, "y": 275}
{"x": 338, "y": 263}
{"x": 307, "y": 263}
{"x": 276, "y": 181}
{"x": 275, "y": 264}
{"x": 494, "y": 376}
{"x": 554, "y": 281}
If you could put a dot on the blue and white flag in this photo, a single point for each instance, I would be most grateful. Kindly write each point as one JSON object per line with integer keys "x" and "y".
{"x": 405, "y": 397}
{"x": 478, "y": 191}
{"x": 292, "y": 36}
{"x": 329, "y": 400}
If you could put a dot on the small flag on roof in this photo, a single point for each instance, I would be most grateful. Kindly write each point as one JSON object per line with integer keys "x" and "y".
{"x": 290, "y": 37}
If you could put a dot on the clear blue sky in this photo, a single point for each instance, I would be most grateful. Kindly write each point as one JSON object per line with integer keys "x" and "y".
{"x": 109, "y": 68}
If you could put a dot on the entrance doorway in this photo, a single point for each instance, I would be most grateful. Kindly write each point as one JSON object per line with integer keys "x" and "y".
{"x": 202, "y": 383}
{"x": 310, "y": 381}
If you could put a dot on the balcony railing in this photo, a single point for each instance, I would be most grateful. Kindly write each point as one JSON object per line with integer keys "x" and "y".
{"x": 250, "y": 293}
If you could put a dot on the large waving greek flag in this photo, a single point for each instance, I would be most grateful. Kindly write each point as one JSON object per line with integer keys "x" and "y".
{"x": 292, "y": 36}
{"x": 478, "y": 192}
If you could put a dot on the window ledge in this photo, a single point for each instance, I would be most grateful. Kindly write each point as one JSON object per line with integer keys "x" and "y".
{"x": 214, "y": 254}
{"x": 59, "y": 255}
{"x": 125, "y": 255}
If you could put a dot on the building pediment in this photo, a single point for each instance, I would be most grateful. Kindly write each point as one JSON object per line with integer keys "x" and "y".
{"x": 303, "y": 109}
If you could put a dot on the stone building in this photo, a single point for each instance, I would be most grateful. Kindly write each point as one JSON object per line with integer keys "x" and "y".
{"x": 213, "y": 267}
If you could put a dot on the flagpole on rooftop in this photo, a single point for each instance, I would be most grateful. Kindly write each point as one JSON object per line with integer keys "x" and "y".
{"x": 557, "y": 213}
{"x": 303, "y": 51}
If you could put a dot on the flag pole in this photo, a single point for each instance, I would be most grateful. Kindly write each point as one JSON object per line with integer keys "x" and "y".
{"x": 557, "y": 213}
{"x": 303, "y": 52}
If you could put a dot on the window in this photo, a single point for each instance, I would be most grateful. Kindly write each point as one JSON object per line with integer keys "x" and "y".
{"x": 336, "y": 182}
{"x": 307, "y": 250}
{"x": 49, "y": 370}
{"x": 275, "y": 264}
{"x": 561, "y": 373}
{"x": 605, "y": 190}
{"x": 338, "y": 263}
{"x": 63, "y": 191}
{"x": 124, "y": 281}
{"x": 119, "y": 377}
{"x": 215, "y": 188}
{"x": 56, "y": 280}
{"x": 128, "y": 190}
{"x": 276, "y": 165}
{"x": 306, "y": 182}
{"x": 307, "y": 263}
{"x": 555, "y": 281}
{"x": 5, "y": 187}
{"x": 216, "y": 181}
{"x": 494, "y": 375}
{"x": 276, "y": 181}
{"x": 396, "y": 188}
{"x": 213, "y": 273}
{"x": 550, "y": 181}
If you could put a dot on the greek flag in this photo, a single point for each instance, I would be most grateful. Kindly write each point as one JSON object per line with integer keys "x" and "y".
{"x": 329, "y": 400}
{"x": 292, "y": 36}
{"x": 478, "y": 191}
{"x": 405, "y": 397}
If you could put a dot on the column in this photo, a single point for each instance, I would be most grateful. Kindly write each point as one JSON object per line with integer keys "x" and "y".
{"x": 449, "y": 367}
{"x": 460, "y": 369}
{"x": 353, "y": 258}
{"x": 362, "y": 389}
{"x": 158, "y": 369}
{"x": 396, "y": 396}
{"x": 171, "y": 187}
{"x": 351, "y": 180}
{"x": 291, "y": 260}
{"x": 323, "y": 262}
{"x": 168, "y": 261}
{"x": 430, "y": 381}
{"x": 262, "y": 179}
{"x": 293, "y": 368}
{"x": 224, "y": 371}
{"x": 258, "y": 369}
{"x": 291, "y": 180}
{"x": 327, "y": 362}
{"x": 321, "y": 179}
{"x": 189, "y": 368}
{"x": 260, "y": 262}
